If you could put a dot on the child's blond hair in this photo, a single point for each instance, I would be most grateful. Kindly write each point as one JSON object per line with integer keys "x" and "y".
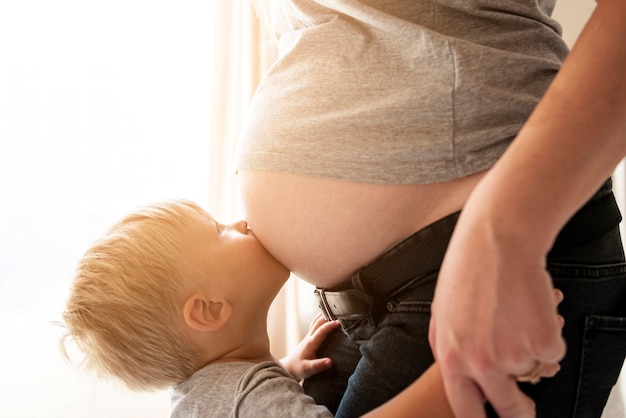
{"x": 124, "y": 309}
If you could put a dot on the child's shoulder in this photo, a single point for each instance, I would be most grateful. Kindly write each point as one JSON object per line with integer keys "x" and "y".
{"x": 211, "y": 390}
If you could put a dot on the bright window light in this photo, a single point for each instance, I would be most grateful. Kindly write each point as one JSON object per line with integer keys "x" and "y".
{"x": 103, "y": 106}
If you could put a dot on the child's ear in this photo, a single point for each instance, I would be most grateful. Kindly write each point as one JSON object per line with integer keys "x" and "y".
{"x": 203, "y": 313}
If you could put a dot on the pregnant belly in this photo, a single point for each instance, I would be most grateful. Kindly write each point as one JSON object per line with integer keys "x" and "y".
{"x": 323, "y": 230}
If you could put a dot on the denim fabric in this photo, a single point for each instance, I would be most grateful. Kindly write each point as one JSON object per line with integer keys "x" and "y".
{"x": 375, "y": 358}
{"x": 594, "y": 309}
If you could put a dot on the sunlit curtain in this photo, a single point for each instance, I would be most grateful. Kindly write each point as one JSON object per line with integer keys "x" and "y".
{"x": 241, "y": 56}
{"x": 243, "y": 52}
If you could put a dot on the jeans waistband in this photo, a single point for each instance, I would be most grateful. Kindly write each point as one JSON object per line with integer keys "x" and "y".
{"x": 422, "y": 253}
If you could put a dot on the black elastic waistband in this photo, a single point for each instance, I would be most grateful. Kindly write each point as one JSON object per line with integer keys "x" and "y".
{"x": 591, "y": 222}
{"x": 422, "y": 253}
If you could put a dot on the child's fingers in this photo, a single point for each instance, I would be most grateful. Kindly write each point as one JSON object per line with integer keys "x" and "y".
{"x": 319, "y": 335}
{"x": 311, "y": 367}
{"x": 318, "y": 321}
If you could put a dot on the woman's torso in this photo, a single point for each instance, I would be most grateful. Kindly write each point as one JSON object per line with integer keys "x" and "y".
{"x": 376, "y": 116}
{"x": 324, "y": 229}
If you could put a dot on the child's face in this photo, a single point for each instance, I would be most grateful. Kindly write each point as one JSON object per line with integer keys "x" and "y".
{"x": 232, "y": 256}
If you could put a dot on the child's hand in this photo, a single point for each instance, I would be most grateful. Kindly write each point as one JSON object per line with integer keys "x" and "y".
{"x": 303, "y": 362}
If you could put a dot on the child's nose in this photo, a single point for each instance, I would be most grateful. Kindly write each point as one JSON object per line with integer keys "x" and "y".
{"x": 240, "y": 226}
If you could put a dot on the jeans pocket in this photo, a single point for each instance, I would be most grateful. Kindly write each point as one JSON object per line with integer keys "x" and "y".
{"x": 358, "y": 330}
{"x": 604, "y": 348}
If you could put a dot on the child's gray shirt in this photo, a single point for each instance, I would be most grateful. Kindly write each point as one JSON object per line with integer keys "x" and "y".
{"x": 241, "y": 389}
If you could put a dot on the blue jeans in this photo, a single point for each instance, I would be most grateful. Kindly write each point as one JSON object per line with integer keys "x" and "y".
{"x": 376, "y": 356}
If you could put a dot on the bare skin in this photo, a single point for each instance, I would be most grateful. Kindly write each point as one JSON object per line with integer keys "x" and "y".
{"x": 569, "y": 146}
{"x": 323, "y": 230}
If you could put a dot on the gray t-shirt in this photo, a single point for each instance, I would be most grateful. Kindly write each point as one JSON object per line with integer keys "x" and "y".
{"x": 401, "y": 91}
{"x": 241, "y": 389}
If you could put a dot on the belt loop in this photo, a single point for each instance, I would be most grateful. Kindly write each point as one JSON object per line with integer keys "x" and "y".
{"x": 357, "y": 282}
{"x": 323, "y": 304}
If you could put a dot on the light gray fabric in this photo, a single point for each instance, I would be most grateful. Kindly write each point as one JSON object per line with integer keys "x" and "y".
{"x": 240, "y": 389}
{"x": 405, "y": 91}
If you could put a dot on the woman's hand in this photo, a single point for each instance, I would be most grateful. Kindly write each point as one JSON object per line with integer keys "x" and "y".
{"x": 508, "y": 324}
{"x": 494, "y": 318}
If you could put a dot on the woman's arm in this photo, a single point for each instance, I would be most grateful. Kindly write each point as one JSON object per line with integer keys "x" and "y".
{"x": 424, "y": 398}
{"x": 571, "y": 143}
